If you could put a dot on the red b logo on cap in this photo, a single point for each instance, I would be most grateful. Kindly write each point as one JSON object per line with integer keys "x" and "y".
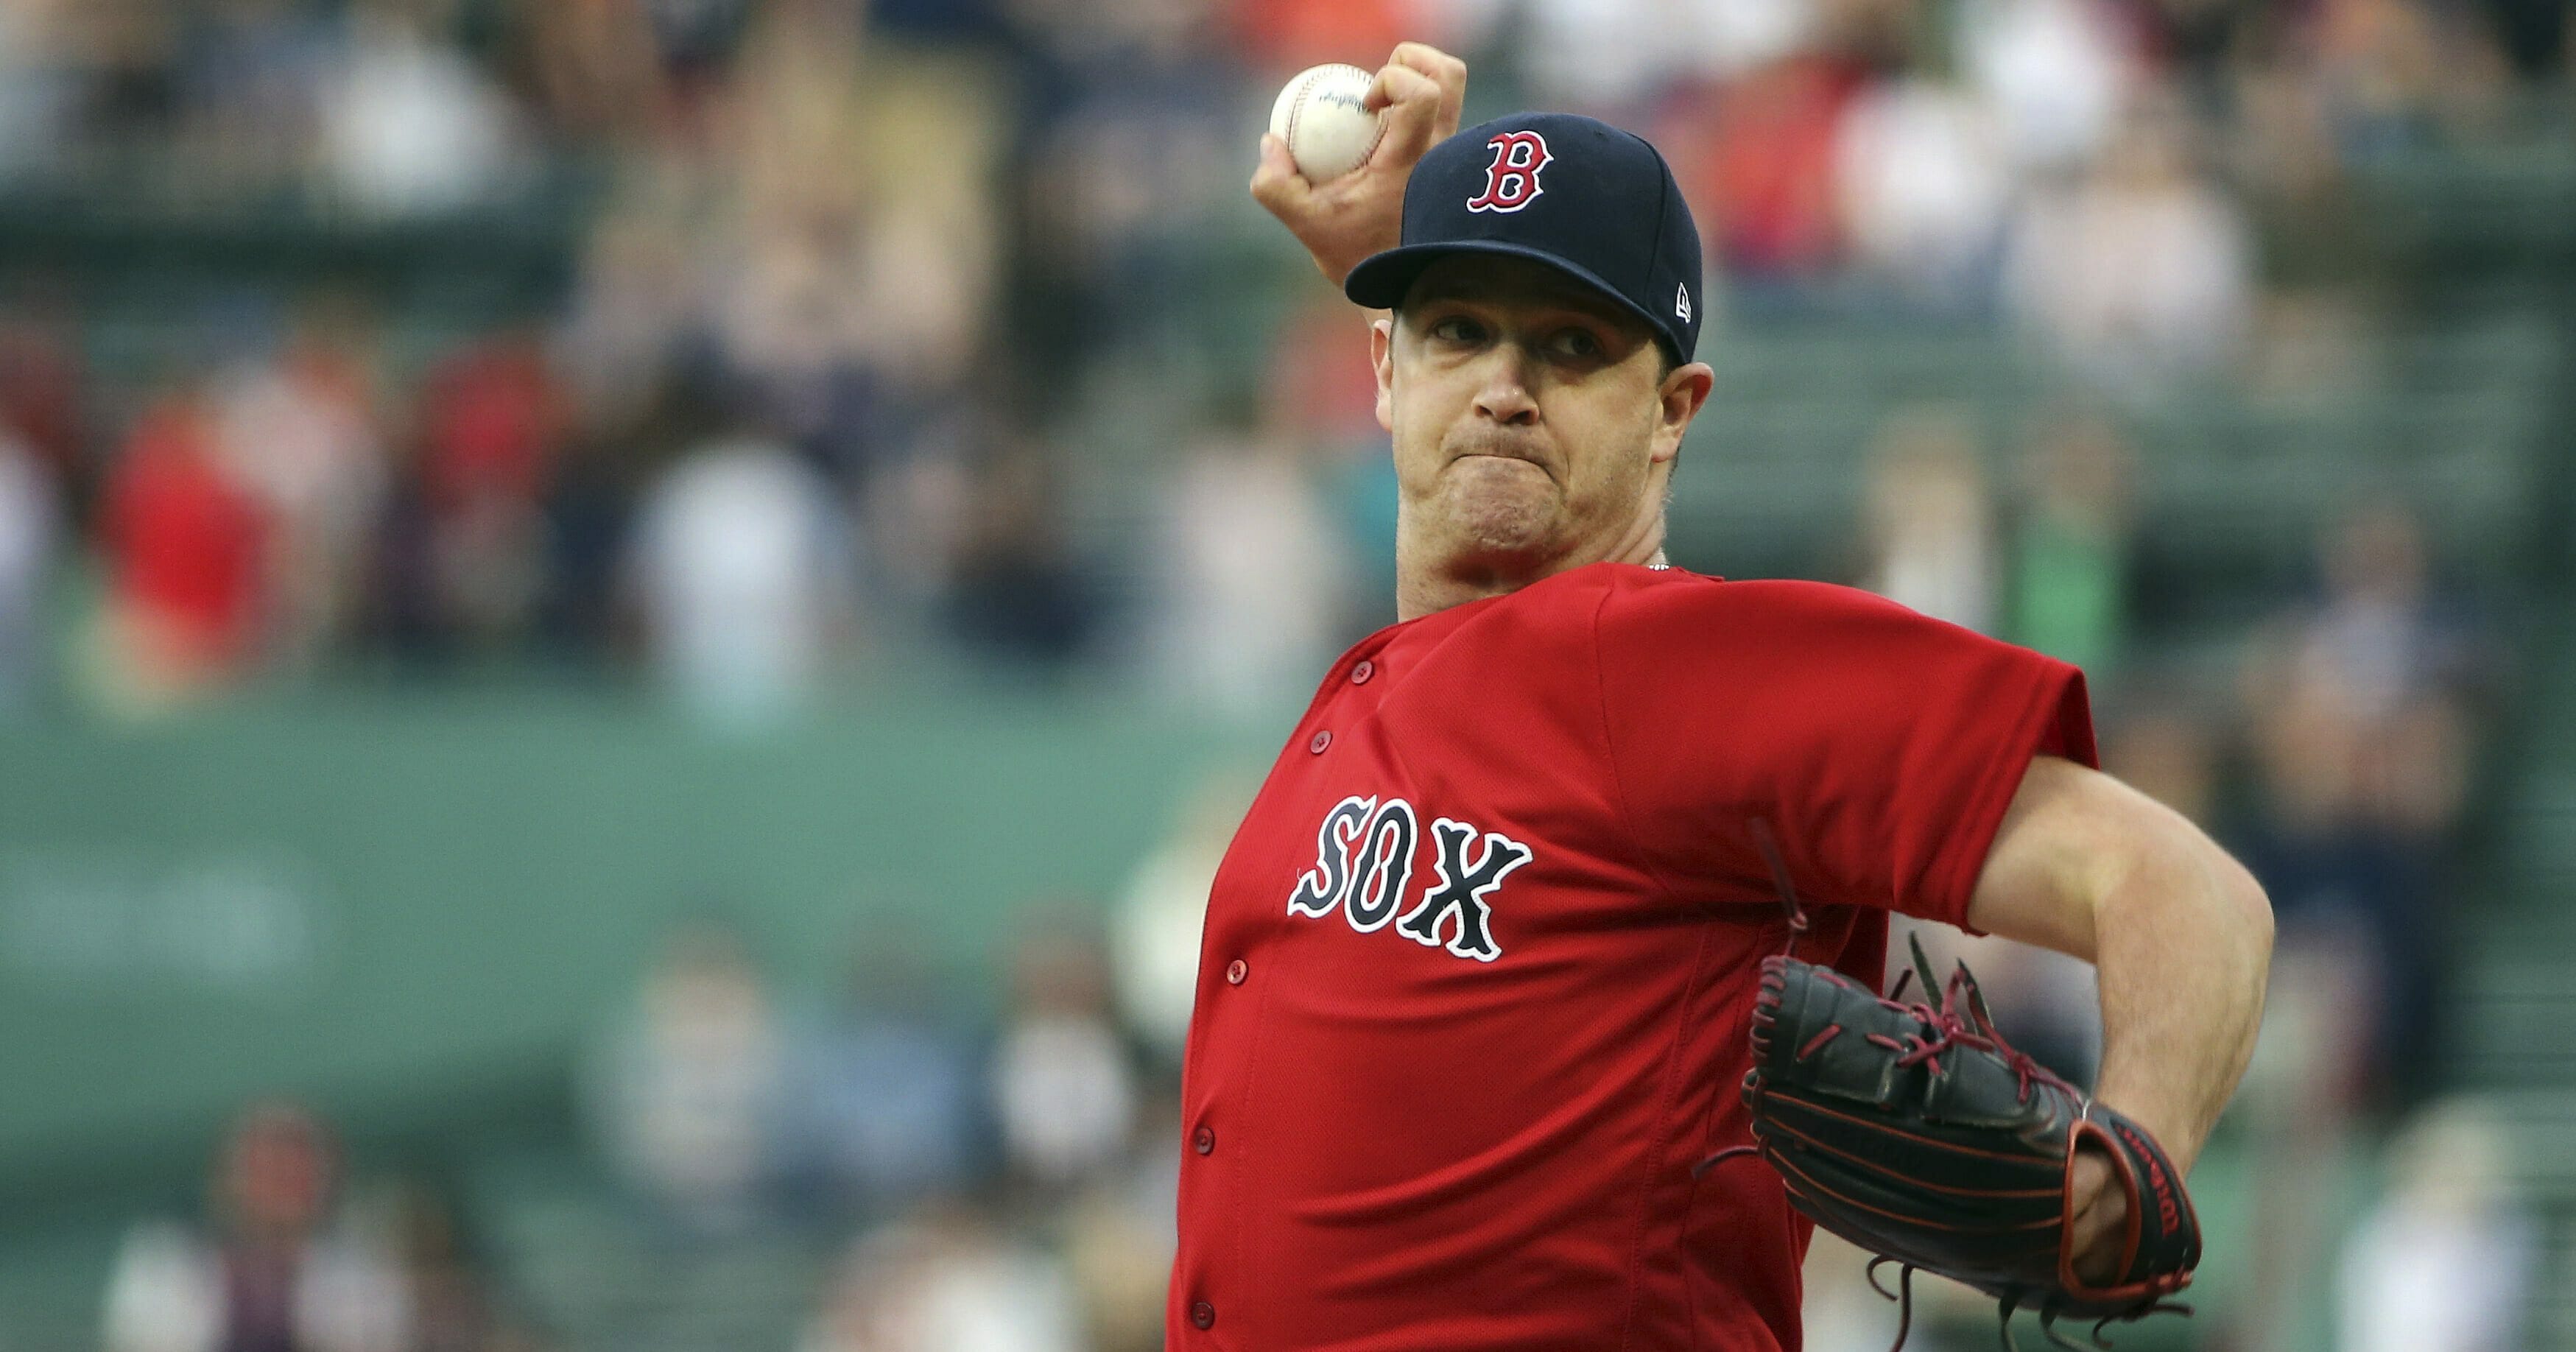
{"x": 1511, "y": 181}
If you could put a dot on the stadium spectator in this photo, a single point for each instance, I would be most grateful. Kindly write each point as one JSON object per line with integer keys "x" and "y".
{"x": 492, "y": 421}
{"x": 299, "y": 431}
{"x": 2359, "y": 711}
{"x": 2342, "y": 881}
{"x": 1154, "y": 930}
{"x": 1927, "y": 523}
{"x": 2071, "y": 545}
{"x": 2137, "y": 275}
{"x": 270, "y": 1271}
{"x": 744, "y": 564}
{"x": 187, "y": 548}
{"x": 946, "y": 1279}
{"x": 410, "y": 126}
{"x": 2447, "y": 1260}
{"x": 1061, "y": 1080}
{"x": 1018, "y": 591}
{"x": 887, "y": 1110}
{"x": 1924, "y": 185}
{"x": 1254, "y": 586}
{"x": 2055, "y": 74}
{"x": 2379, "y": 634}
{"x": 685, "y": 1097}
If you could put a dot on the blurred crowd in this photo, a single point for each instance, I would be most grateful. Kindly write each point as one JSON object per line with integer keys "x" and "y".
{"x": 939, "y": 328}
{"x": 1004, "y": 1183}
{"x": 2331, "y": 748}
{"x": 289, "y": 1257}
{"x": 881, "y": 1167}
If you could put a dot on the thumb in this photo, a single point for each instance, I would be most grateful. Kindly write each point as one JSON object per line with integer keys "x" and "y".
{"x": 1276, "y": 184}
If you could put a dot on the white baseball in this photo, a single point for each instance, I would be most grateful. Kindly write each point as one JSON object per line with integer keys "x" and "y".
{"x": 1321, "y": 118}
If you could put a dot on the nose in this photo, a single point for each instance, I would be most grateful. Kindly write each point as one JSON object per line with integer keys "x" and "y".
{"x": 1505, "y": 396}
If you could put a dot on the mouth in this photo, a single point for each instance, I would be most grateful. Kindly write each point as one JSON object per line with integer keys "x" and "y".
{"x": 1535, "y": 466}
{"x": 1531, "y": 461}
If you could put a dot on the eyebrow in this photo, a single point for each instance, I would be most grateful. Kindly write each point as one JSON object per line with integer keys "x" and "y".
{"x": 1562, "y": 296}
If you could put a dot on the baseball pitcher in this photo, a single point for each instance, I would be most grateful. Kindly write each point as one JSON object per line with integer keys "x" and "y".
{"x": 1538, "y": 1004}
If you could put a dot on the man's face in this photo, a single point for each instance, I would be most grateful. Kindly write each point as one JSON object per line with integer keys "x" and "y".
{"x": 1534, "y": 422}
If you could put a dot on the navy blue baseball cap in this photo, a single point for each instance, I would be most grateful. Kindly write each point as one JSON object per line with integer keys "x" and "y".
{"x": 1591, "y": 200}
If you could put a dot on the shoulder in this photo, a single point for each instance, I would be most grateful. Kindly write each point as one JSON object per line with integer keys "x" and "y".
{"x": 1632, "y": 614}
{"x": 1677, "y": 605}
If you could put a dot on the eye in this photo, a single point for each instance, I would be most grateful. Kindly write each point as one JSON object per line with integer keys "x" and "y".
{"x": 1580, "y": 344}
{"x": 1458, "y": 329}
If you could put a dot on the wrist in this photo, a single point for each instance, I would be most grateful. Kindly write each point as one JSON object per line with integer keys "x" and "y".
{"x": 2172, "y": 1130}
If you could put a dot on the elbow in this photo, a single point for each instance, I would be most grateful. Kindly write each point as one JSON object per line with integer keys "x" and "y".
{"x": 2254, "y": 908}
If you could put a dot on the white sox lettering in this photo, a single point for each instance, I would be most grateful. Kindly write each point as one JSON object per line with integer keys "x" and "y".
{"x": 1462, "y": 888}
{"x": 1364, "y": 861}
{"x": 1385, "y": 866}
{"x": 1329, "y": 880}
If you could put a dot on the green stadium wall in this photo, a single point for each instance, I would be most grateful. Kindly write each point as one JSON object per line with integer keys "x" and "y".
{"x": 385, "y": 907}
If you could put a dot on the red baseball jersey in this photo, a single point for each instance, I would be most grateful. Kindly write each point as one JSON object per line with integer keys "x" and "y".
{"x": 1478, "y": 966}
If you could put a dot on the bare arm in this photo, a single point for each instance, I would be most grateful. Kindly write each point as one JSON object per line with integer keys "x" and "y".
{"x": 2179, "y": 932}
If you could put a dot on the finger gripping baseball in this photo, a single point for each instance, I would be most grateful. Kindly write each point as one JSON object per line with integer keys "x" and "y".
{"x": 1918, "y": 1133}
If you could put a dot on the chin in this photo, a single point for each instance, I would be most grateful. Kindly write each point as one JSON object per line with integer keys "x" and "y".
{"x": 1502, "y": 514}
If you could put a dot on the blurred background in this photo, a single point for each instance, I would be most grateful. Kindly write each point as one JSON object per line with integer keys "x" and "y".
{"x": 629, "y": 628}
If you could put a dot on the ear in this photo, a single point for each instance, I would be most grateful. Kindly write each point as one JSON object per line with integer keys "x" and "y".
{"x": 1382, "y": 360}
{"x": 1683, "y": 394}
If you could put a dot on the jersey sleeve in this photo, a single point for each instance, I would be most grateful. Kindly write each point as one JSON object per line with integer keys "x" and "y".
{"x": 1881, "y": 747}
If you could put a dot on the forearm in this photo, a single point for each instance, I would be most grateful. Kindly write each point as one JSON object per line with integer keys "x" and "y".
{"x": 2182, "y": 943}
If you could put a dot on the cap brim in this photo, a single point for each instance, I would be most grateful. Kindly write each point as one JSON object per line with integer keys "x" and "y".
{"x": 1381, "y": 280}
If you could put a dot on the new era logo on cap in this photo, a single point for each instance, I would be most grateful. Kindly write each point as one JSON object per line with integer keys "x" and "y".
{"x": 1580, "y": 195}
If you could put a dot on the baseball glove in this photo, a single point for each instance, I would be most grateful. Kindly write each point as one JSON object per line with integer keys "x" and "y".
{"x": 1916, "y": 1132}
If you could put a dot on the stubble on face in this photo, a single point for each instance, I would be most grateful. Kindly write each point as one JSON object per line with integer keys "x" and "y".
{"x": 1491, "y": 502}
{"x": 1494, "y": 499}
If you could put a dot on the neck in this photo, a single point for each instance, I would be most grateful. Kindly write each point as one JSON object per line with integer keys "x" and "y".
{"x": 1426, "y": 582}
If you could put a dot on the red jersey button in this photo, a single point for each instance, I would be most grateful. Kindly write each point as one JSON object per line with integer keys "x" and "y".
{"x": 1203, "y": 1314}
{"x": 1319, "y": 741}
{"x": 1235, "y": 972}
{"x": 1204, "y": 1141}
{"x": 1360, "y": 674}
